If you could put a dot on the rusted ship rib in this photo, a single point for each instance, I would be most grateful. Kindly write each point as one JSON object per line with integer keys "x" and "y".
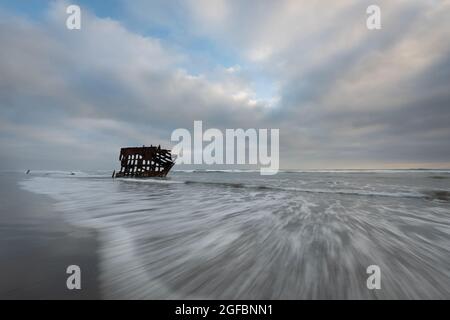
{"x": 144, "y": 162}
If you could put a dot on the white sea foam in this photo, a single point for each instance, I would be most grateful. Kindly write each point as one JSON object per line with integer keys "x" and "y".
{"x": 150, "y": 180}
{"x": 245, "y": 236}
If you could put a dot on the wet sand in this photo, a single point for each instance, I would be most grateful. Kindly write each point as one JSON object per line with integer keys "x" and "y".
{"x": 37, "y": 246}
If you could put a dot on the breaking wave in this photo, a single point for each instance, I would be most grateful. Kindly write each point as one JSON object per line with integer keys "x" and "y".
{"x": 442, "y": 195}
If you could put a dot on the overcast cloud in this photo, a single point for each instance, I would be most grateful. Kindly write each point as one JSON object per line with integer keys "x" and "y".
{"x": 341, "y": 95}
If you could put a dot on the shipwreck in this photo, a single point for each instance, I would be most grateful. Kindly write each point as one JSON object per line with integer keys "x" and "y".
{"x": 144, "y": 162}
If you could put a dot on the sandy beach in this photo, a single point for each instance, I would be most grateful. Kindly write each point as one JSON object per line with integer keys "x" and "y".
{"x": 38, "y": 245}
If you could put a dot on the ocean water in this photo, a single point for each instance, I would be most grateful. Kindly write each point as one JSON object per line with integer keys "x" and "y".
{"x": 237, "y": 234}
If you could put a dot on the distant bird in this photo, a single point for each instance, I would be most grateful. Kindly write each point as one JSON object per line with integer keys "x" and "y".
{"x": 28, "y": 171}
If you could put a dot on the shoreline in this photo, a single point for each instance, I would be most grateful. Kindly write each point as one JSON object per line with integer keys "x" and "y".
{"x": 215, "y": 237}
{"x": 39, "y": 245}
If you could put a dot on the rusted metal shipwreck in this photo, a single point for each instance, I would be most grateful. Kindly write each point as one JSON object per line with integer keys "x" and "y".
{"x": 144, "y": 162}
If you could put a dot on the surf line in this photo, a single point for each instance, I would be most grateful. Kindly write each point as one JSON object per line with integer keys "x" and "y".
{"x": 187, "y": 310}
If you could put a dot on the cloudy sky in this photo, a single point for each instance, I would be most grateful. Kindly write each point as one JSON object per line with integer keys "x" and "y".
{"x": 341, "y": 95}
